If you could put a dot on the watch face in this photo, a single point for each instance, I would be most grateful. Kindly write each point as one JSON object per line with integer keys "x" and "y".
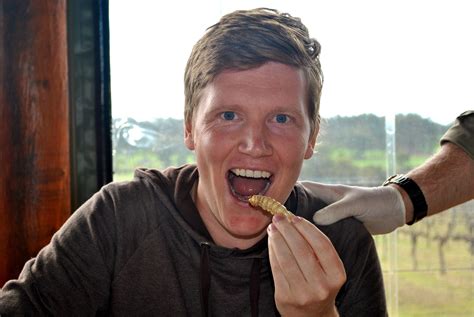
{"x": 397, "y": 178}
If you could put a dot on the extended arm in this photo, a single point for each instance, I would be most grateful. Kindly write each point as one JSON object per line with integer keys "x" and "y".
{"x": 446, "y": 180}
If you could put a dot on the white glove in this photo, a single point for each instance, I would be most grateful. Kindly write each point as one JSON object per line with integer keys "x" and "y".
{"x": 380, "y": 209}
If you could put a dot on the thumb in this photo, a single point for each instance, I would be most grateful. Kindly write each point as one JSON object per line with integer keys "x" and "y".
{"x": 331, "y": 214}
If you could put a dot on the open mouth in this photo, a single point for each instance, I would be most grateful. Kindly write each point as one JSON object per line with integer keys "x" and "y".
{"x": 245, "y": 183}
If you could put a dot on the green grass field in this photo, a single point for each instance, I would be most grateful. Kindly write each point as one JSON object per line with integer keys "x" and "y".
{"x": 437, "y": 277}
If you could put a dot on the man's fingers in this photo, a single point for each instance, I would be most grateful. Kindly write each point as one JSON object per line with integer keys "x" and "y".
{"x": 278, "y": 275}
{"x": 299, "y": 250}
{"x": 327, "y": 256}
{"x": 306, "y": 268}
{"x": 381, "y": 209}
{"x": 332, "y": 213}
{"x": 327, "y": 193}
{"x": 283, "y": 257}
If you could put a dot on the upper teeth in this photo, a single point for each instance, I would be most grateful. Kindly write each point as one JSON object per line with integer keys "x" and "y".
{"x": 250, "y": 173}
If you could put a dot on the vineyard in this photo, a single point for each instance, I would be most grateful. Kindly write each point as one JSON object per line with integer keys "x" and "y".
{"x": 435, "y": 258}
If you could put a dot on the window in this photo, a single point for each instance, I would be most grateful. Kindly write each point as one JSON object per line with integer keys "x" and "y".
{"x": 396, "y": 75}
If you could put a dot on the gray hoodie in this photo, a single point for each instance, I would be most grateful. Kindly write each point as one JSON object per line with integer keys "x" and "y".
{"x": 140, "y": 248}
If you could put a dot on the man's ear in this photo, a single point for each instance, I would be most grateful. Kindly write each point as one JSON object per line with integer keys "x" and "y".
{"x": 311, "y": 144}
{"x": 188, "y": 135}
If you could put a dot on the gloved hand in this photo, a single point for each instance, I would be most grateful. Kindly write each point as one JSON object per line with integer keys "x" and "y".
{"x": 381, "y": 209}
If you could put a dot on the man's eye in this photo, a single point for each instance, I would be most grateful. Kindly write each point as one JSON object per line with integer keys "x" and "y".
{"x": 228, "y": 115}
{"x": 281, "y": 118}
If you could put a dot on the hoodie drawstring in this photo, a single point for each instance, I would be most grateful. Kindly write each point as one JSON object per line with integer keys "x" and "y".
{"x": 205, "y": 279}
{"x": 255, "y": 286}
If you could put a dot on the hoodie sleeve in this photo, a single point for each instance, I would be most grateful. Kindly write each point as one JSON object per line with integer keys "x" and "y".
{"x": 73, "y": 272}
{"x": 461, "y": 133}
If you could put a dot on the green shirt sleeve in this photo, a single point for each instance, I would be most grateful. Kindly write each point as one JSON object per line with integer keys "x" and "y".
{"x": 461, "y": 133}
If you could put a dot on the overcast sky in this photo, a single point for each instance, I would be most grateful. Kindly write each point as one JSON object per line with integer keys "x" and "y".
{"x": 382, "y": 57}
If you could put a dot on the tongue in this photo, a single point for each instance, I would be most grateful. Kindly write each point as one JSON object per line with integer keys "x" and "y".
{"x": 245, "y": 186}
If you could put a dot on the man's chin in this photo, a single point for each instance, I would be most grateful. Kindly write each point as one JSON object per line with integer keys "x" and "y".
{"x": 250, "y": 230}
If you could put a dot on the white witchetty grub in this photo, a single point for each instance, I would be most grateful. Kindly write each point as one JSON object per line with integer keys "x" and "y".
{"x": 270, "y": 205}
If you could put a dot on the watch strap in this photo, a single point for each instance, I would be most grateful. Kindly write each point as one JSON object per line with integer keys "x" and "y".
{"x": 420, "y": 208}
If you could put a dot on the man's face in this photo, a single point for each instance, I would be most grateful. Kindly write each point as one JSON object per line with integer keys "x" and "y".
{"x": 250, "y": 133}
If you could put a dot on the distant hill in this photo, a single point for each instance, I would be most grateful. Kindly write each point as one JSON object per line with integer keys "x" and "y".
{"x": 353, "y": 149}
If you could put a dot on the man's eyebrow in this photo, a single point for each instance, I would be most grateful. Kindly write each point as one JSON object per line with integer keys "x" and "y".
{"x": 225, "y": 107}
{"x": 290, "y": 109}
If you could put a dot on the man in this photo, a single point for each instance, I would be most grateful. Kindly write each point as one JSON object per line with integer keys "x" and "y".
{"x": 445, "y": 180}
{"x": 185, "y": 241}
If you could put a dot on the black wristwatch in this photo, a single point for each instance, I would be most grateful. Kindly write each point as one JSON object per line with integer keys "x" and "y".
{"x": 420, "y": 208}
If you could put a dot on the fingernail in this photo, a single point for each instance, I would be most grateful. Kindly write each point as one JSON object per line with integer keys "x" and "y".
{"x": 296, "y": 219}
{"x": 271, "y": 228}
{"x": 278, "y": 218}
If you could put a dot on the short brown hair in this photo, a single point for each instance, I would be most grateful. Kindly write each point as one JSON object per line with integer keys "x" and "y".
{"x": 247, "y": 39}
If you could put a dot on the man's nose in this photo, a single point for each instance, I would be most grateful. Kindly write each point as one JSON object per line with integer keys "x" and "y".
{"x": 255, "y": 141}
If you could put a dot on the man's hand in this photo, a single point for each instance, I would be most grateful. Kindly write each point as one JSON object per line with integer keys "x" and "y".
{"x": 381, "y": 209}
{"x": 307, "y": 270}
